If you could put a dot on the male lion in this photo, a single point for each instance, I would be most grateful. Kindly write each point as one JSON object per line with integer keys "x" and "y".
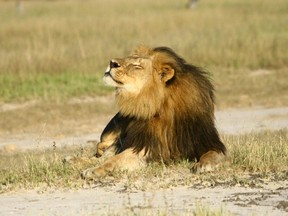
{"x": 166, "y": 113}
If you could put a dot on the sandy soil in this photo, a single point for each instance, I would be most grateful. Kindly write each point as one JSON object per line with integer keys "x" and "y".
{"x": 269, "y": 199}
{"x": 240, "y": 121}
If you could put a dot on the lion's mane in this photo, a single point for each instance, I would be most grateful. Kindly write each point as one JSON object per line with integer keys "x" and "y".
{"x": 175, "y": 122}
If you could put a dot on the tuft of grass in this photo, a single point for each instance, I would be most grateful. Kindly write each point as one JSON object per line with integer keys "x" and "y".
{"x": 40, "y": 169}
{"x": 198, "y": 210}
{"x": 260, "y": 152}
{"x": 204, "y": 210}
{"x": 36, "y": 172}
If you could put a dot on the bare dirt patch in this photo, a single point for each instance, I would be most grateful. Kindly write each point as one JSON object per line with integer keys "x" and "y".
{"x": 268, "y": 200}
{"x": 240, "y": 121}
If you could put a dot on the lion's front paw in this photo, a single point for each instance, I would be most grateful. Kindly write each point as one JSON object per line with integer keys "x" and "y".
{"x": 208, "y": 162}
{"x": 92, "y": 173}
{"x": 200, "y": 168}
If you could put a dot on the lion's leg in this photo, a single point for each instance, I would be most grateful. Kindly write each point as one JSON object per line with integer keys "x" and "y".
{"x": 208, "y": 162}
{"x": 106, "y": 147}
{"x": 112, "y": 134}
{"x": 109, "y": 136}
{"x": 126, "y": 160}
{"x": 106, "y": 143}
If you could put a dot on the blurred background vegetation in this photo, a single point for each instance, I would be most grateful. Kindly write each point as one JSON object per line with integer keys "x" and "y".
{"x": 58, "y": 50}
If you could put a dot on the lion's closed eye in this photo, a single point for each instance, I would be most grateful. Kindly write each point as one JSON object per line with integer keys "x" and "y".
{"x": 137, "y": 66}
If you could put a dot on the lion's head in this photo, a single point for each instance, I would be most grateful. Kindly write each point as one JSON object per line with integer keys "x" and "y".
{"x": 133, "y": 73}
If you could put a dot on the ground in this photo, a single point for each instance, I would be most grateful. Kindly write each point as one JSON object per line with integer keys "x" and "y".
{"x": 269, "y": 200}
{"x": 265, "y": 197}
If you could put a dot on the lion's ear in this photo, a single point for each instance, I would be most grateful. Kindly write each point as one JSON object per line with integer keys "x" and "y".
{"x": 166, "y": 73}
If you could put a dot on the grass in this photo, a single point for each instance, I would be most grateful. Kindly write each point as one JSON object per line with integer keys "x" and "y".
{"x": 61, "y": 49}
{"x": 37, "y": 170}
{"x": 241, "y": 88}
{"x": 256, "y": 155}
{"x": 263, "y": 152}
{"x": 40, "y": 169}
{"x": 199, "y": 210}
{"x": 44, "y": 86}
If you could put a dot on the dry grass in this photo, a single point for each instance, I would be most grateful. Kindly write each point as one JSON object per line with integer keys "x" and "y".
{"x": 254, "y": 157}
{"x": 199, "y": 210}
{"x": 40, "y": 169}
{"x": 262, "y": 152}
{"x": 60, "y": 49}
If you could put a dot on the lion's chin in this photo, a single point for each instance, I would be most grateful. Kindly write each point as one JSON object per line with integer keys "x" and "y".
{"x": 110, "y": 81}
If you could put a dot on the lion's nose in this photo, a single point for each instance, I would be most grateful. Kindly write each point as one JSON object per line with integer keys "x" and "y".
{"x": 114, "y": 64}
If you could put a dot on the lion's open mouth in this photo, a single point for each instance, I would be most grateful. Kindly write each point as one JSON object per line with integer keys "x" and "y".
{"x": 108, "y": 74}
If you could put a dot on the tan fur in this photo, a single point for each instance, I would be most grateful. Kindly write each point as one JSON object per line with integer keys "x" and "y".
{"x": 166, "y": 113}
{"x": 126, "y": 160}
{"x": 106, "y": 143}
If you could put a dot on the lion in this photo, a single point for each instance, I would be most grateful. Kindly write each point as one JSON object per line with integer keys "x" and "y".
{"x": 166, "y": 114}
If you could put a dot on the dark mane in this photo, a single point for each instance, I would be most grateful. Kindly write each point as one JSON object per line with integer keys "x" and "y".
{"x": 182, "y": 65}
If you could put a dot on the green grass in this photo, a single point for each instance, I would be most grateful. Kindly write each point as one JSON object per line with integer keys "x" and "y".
{"x": 46, "y": 86}
{"x": 60, "y": 49}
{"x": 253, "y": 157}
